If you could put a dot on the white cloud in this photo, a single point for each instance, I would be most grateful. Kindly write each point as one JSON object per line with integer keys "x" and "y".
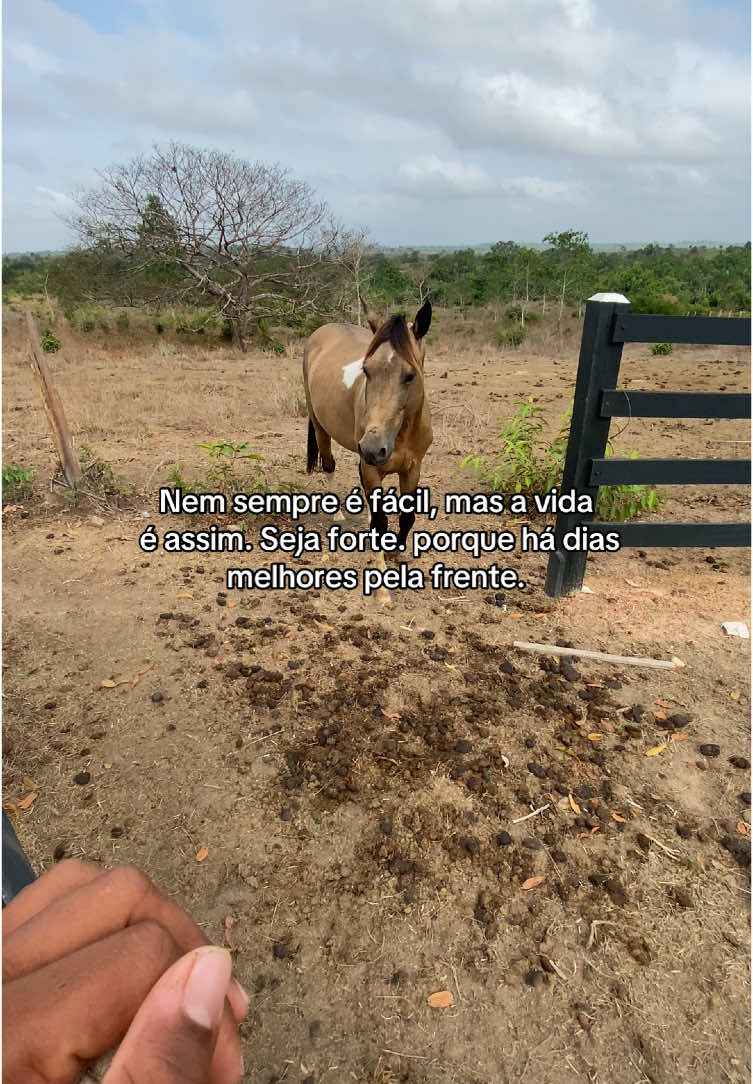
{"x": 432, "y": 176}
{"x": 391, "y": 105}
{"x": 545, "y": 190}
{"x": 37, "y": 61}
{"x": 59, "y": 201}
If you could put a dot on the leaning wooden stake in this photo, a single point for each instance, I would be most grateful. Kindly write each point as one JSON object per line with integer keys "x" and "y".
{"x": 600, "y": 656}
{"x": 53, "y": 407}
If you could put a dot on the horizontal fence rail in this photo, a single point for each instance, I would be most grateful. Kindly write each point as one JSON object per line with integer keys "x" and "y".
{"x": 671, "y": 404}
{"x": 700, "y": 330}
{"x": 607, "y": 326}
{"x": 681, "y": 535}
{"x": 669, "y": 472}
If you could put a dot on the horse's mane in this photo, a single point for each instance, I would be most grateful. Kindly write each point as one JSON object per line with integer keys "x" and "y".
{"x": 395, "y": 332}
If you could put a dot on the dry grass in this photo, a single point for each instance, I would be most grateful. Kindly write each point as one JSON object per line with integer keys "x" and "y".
{"x": 288, "y": 398}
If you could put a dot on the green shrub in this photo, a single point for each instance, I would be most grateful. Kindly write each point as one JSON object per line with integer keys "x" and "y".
{"x": 511, "y": 336}
{"x": 527, "y": 463}
{"x": 50, "y": 344}
{"x": 87, "y": 324}
{"x": 618, "y": 503}
{"x": 662, "y": 348}
{"x": 17, "y": 481}
{"x": 222, "y": 472}
{"x": 121, "y": 321}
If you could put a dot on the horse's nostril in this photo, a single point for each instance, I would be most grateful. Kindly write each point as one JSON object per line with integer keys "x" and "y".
{"x": 383, "y": 453}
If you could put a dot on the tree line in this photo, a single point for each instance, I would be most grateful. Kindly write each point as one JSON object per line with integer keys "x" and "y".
{"x": 655, "y": 279}
{"x": 251, "y": 246}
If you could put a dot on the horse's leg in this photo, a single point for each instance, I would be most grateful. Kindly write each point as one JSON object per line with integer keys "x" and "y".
{"x": 408, "y": 484}
{"x": 324, "y": 440}
{"x": 319, "y": 441}
{"x": 370, "y": 480}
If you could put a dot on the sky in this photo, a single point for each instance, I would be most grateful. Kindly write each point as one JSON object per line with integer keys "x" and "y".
{"x": 424, "y": 122}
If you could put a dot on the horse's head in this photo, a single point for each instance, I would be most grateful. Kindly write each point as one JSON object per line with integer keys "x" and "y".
{"x": 394, "y": 390}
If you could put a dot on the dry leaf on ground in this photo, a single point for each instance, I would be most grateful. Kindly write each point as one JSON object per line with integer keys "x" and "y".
{"x": 656, "y": 750}
{"x": 574, "y": 805}
{"x": 389, "y": 714}
{"x": 28, "y": 800}
{"x": 442, "y": 999}
{"x": 202, "y": 853}
{"x": 532, "y": 882}
{"x": 229, "y": 935}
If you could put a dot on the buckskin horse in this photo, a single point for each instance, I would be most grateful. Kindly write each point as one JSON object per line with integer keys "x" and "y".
{"x": 365, "y": 390}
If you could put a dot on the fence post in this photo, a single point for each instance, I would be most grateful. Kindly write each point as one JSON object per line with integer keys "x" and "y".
{"x": 598, "y": 367}
{"x": 53, "y": 407}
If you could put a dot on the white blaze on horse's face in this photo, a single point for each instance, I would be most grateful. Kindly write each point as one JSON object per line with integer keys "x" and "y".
{"x": 351, "y": 372}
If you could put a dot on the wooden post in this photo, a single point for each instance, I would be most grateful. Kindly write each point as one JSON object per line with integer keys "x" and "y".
{"x": 598, "y": 368}
{"x": 53, "y": 407}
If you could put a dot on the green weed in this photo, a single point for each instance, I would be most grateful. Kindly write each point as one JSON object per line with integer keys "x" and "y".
{"x": 528, "y": 463}
{"x": 17, "y": 481}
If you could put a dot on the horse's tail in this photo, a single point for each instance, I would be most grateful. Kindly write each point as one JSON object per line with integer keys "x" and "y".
{"x": 312, "y": 456}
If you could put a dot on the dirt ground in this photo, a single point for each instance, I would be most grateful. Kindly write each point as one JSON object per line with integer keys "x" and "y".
{"x": 362, "y": 778}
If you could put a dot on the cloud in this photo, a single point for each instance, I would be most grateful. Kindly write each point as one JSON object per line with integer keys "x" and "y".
{"x": 58, "y": 201}
{"x": 431, "y": 176}
{"x": 37, "y": 61}
{"x": 545, "y": 190}
{"x": 407, "y": 112}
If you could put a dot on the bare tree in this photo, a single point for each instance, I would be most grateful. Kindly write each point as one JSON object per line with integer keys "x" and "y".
{"x": 249, "y": 236}
{"x": 355, "y": 252}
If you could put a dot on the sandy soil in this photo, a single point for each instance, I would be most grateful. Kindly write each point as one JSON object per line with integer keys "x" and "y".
{"x": 361, "y": 777}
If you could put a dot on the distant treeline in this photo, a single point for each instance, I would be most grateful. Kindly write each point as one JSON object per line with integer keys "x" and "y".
{"x": 655, "y": 278}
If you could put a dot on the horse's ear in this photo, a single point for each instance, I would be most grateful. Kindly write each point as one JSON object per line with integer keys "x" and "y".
{"x": 371, "y": 317}
{"x": 423, "y": 320}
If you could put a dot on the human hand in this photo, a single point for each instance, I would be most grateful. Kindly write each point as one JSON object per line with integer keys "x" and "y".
{"x": 90, "y": 957}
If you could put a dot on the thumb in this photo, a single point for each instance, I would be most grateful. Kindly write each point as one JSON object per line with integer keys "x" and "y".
{"x": 173, "y": 1035}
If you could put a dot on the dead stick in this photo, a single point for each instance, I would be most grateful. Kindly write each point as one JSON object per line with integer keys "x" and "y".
{"x": 53, "y": 407}
{"x": 600, "y": 656}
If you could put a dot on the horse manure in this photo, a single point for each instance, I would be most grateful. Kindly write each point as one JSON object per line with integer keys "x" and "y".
{"x": 710, "y": 749}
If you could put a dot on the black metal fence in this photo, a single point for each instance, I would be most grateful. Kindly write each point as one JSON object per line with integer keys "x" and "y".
{"x": 608, "y": 324}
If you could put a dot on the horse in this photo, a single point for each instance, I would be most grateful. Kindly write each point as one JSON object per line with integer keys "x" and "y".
{"x": 365, "y": 390}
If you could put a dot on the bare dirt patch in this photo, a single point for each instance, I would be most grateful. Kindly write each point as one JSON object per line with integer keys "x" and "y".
{"x": 360, "y": 777}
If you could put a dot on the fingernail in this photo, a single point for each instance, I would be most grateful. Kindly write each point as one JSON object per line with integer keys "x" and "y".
{"x": 205, "y": 992}
{"x": 244, "y": 996}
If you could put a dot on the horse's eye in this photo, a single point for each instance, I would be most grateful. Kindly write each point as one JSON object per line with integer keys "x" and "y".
{"x": 409, "y": 378}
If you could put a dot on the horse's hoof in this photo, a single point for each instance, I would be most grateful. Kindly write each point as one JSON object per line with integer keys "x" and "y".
{"x": 329, "y": 468}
